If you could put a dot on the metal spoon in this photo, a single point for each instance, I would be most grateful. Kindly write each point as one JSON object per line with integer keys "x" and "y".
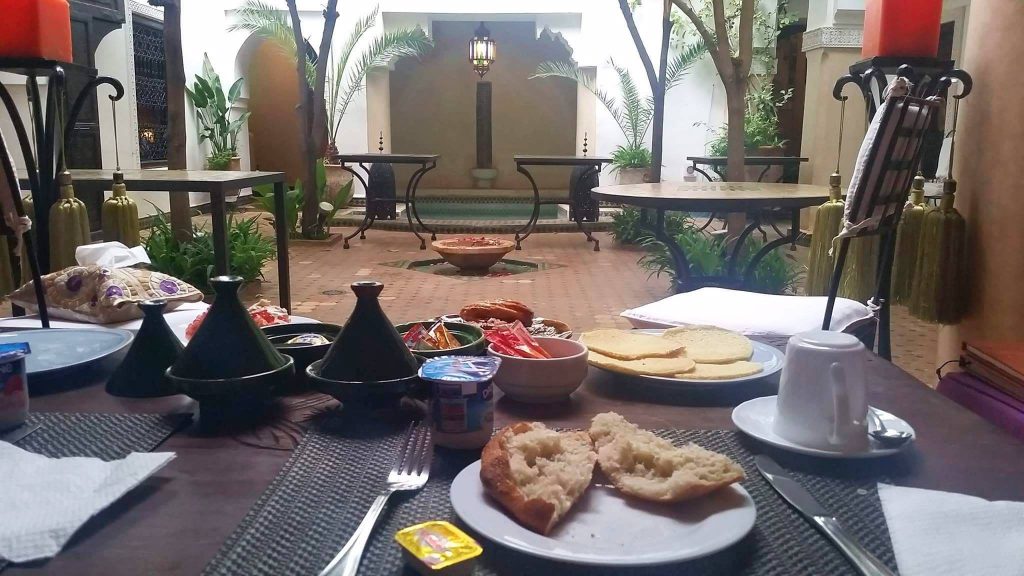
{"x": 885, "y": 435}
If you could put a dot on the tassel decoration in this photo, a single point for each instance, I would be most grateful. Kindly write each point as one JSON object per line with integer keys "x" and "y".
{"x": 939, "y": 292}
{"x": 69, "y": 225}
{"x": 120, "y": 215}
{"x": 827, "y": 221}
{"x": 861, "y": 270}
{"x": 908, "y": 239}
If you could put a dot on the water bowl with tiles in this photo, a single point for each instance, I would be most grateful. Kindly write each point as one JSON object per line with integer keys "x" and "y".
{"x": 472, "y": 252}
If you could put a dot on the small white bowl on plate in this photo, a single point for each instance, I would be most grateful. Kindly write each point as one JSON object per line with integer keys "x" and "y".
{"x": 540, "y": 380}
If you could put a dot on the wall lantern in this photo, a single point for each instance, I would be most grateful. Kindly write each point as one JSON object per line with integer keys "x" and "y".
{"x": 481, "y": 50}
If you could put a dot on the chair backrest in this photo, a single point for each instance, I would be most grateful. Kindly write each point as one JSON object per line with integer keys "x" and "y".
{"x": 887, "y": 163}
{"x": 876, "y": 198}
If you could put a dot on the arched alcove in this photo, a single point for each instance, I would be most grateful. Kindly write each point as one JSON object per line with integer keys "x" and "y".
{"x": 273, "y": 95}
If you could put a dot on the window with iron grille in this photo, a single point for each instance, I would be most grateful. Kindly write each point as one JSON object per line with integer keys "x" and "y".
{"x": 150, "y": 90}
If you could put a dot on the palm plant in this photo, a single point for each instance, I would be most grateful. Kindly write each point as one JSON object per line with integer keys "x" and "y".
{"x": 213, "y": 111}
{"x": 634, "y": 113}
{"x": 346, "y": 75}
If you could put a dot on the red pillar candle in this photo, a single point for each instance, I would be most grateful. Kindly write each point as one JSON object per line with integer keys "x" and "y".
{"x": 35, "y": 29}
{"x": 901, "y": 28}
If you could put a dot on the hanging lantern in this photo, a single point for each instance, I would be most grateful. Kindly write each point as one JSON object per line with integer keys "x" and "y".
{"x": 481, "y": 50}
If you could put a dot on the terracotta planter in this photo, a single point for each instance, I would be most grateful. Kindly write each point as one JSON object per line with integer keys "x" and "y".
{"x": 336, "y": 178}
{"x": 632, "y": 175}
{"x": 472, "y": 253}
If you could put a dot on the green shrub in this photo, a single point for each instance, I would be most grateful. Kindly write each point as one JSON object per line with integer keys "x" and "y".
{"x": 708, "y": 256}
{"x": 626, "y": 225}
{"x": 192, "y": 261}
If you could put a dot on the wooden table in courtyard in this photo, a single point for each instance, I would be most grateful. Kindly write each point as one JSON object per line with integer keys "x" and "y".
{"x": 218, "y": 184}
{"x": 720, "y": 197}
{"x": 176, "y": 520}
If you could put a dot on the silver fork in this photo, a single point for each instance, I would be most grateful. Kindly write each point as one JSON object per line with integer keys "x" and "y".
{"x": 410, "y": 472}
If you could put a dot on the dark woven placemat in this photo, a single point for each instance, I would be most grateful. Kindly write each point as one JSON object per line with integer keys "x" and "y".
{"x": 103, "y": 436}
{"x": 313, "y": 506}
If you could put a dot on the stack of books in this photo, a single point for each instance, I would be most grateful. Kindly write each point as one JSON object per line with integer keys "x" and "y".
{"x": 992, "y": 383}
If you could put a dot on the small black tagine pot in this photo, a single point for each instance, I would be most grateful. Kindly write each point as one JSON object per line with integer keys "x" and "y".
{"x": 229, "y": 365}
{"x": 368, "y": 363}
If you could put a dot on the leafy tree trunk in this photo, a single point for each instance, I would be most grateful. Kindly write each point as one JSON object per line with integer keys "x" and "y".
{"x": 174, "y": 69}
{"x": 655, "y": 78}
{"x": 733, "y": 67}
{"x": 311, "y": 110}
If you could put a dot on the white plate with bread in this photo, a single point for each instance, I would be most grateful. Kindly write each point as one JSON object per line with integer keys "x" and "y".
{"x": 684, "y": 357}
{"x": 615, "y": 495}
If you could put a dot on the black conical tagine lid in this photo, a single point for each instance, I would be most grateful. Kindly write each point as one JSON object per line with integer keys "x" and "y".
{"x": 227, "y": 344}
{"x": 368, "y": 349}
{"x": 141, "y": 374}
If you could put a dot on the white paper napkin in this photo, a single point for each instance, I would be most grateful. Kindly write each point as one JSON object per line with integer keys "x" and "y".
{"x": 43, "y": 501}
{"x": 945, "y": 533}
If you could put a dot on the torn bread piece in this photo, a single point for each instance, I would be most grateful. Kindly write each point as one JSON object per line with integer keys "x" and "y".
{"x": 648, "y": 467}
{"x": 536, "y": 473}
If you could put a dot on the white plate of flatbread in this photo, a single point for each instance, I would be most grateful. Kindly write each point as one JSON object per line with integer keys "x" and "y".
{"x": 710, "y": 358}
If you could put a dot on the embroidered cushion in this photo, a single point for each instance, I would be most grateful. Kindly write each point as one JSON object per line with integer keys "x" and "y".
{"x": 102, "y": 295}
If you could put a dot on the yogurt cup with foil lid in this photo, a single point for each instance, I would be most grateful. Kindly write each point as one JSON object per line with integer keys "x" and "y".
{"x": 460, "y": 369}
{"x": 461, "y": 399}
{"x": 13, "y": 384}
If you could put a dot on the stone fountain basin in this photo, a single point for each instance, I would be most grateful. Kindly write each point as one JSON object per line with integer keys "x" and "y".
{"x": 456, "y": 252}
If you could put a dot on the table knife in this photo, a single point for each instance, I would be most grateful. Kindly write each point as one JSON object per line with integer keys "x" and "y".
{"x": 822, "y": 519}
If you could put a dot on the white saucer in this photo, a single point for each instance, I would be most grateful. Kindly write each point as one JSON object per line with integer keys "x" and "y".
{"x": 756, "y": 417}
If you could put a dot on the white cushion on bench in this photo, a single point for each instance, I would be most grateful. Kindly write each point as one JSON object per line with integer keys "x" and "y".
{"x": 747, "y": 312}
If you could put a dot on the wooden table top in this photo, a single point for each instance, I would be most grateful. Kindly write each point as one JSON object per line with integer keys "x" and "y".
{"x": 711, "y": 196}
{"x": 748, "y": 160}
{"x": 554, "y": 160}
{"x": 367, "y": 157}
{"x": 176, "y": 520}
{"x": 169, "y": 180}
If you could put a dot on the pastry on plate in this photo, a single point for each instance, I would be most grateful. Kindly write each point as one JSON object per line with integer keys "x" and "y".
{"x": 645, "y": 466}
{"x": 722, "y": 371}
{"x": 673, "y": 366}
{"x": 627, "y": 345}
{"x": 710, "y": 344}
{"x": 536, "y": 473}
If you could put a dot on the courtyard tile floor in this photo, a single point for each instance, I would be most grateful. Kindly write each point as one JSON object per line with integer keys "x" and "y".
{"x": 586, "y": 289}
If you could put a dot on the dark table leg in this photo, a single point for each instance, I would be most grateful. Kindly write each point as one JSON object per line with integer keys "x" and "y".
{"x": 526, "y": 230}
{"x": 578, "y": 213}
{"x": 281, "y": 233}
{"x": 679, "y": 262}
{"x": 410, "y": 203}
{"x": 220, "y": 235}
{"x": 369, "y": 215}
{"x": 748, "y": 270}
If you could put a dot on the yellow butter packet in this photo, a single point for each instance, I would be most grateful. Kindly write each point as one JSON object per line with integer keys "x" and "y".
{"x": 438, "y": 548}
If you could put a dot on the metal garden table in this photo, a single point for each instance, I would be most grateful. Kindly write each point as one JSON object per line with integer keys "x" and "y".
{"x": 577, "y": 202}
{"x": 715, "y": 197}
{"x": 426, "y": 163}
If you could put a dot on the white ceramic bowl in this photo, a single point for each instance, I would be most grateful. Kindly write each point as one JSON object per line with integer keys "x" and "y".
{"x": 539, "y": 380}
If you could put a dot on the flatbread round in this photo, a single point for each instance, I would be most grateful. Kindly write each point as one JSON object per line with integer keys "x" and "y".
{"x": 711, "y": 345}
{"x": 722, "y": 371}
{"x": 643, "y": 366}
{"x": 624, "y": 345}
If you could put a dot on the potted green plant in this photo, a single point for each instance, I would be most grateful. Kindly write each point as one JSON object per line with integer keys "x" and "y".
{"x": 329, "y": 201}
{"x": 761, "y": 135}
{"x": 630, "y": 161}
{"x": 213, "y": 113}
